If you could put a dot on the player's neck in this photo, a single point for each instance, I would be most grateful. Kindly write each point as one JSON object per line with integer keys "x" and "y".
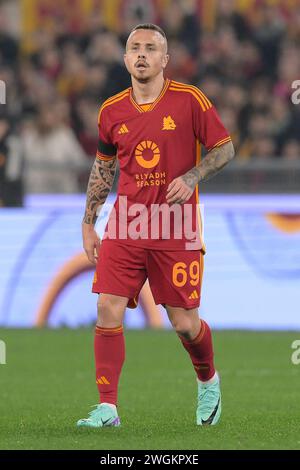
{"x": 147, "y": 92}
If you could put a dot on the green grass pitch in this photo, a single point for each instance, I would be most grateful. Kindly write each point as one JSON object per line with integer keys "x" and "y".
{"x": 48, "y": 383}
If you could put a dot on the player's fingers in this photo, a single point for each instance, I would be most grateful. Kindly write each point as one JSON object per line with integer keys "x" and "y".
{"x": 174, "y": 200}
{"x": 186, "y": 196}
{"x": 171, "y": 185}
{"x": 177, "y": 182}
{"x": 173, "y": 192}
{"x": 90, "y": 255}
{"x": 182, "y": 200}
{"x": 177, "y": 198}
{"x": 95, "y": 253}
{"x": 171, "y": 200}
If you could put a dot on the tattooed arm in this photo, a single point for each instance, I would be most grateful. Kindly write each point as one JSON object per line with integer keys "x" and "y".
{"x": 181, "y": 189}
{"x": 100, "y": 183}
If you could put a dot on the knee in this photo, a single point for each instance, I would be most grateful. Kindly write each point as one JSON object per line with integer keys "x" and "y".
{"x": 110, "y": 311}
{"x": 186, "y": 324}
{"x": 183, "y": 327}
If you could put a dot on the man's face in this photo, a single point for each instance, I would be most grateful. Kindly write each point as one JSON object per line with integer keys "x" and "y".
{"x": 146, "y": 54}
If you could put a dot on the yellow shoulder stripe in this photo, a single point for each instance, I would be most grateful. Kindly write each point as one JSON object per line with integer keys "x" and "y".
{"x": 197, "y": 90}
{"x": 111, "y": 101}
{"x": 194, "y": 91}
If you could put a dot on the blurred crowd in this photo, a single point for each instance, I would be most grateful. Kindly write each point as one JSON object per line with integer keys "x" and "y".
{"x": 246, "y": 64}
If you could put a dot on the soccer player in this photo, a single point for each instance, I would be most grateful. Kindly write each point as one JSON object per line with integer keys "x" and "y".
{"x": 155, "y": 129}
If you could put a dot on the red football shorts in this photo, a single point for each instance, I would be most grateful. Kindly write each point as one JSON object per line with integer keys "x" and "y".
{"x": 175, "y": 277}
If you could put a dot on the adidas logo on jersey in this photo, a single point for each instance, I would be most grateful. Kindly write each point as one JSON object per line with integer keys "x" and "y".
{"x": 194, "y": 295}
{"x": 123, "y": 129}
{"x": 168, "y": 124}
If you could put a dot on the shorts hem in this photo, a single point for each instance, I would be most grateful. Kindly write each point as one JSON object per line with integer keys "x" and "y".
{"x": 108, "y": 291}
{"x": 176, "y": 304}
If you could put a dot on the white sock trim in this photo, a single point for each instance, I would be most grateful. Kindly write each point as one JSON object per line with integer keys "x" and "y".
{"x": 214, "y": 378}
{"x": 111, "y": 405}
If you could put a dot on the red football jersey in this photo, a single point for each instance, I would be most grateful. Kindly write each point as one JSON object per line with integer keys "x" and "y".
{"x": 156, "y": 143}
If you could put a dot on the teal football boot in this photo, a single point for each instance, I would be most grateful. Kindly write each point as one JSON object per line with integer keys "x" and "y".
{"x": 209, "y": 402}
{"x": 102, "y": 415}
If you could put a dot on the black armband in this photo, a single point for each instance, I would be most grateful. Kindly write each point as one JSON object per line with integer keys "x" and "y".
{"x": 107, "y": 149}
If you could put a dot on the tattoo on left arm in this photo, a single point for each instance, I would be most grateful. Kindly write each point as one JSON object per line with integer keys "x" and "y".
{"x": 214, "y": 161}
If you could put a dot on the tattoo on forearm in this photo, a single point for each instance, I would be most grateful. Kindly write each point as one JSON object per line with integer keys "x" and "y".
{"x": 100, "y": 183}
{"x": 191, "y": 178}
{"x": 214, "y": 161}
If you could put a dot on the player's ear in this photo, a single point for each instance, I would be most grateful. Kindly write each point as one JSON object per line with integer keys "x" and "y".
{"x": 125, "y": 60}
{"x": 165, "y": 60}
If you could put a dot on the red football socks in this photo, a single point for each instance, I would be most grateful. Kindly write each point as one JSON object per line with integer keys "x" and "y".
{"x": 109, "y": 347}
{"x": 201, "y": 352}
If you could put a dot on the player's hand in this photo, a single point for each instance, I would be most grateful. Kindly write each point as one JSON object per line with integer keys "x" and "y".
{"x": 178, "y": 192}
{"x": 91, "y": 242}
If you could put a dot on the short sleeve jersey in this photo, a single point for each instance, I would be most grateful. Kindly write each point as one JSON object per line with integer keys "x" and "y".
{"x": 154, "y": 144}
